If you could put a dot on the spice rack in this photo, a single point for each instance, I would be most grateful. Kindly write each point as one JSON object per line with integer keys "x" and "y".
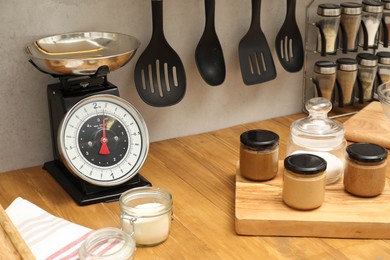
{"x": 312, "y": 55}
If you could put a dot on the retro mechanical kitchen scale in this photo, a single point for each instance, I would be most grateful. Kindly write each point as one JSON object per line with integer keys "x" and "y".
{"x": 100, "y": 141}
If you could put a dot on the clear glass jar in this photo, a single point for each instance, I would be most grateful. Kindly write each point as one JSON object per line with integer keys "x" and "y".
{"x": 324, "y": 78}
{"x": 351, "y": 16}
{"x": 367, "y": 70}
{"x": 319, "y": 135}
{"x": 383, "y": 74}
{"x": 107, "y": 243}
{"x": 259, "y": 152}
{"x": 383, "y": 66}
{"x": 304, "y": 181}
{"x": 371, "y": 18}
{"x": 146, "y": 214}
{"x": 365, "y": 169}
{"x": 385, "y": 32}
{"x": 346, "y": 78}
{"x": 328, "y": 24}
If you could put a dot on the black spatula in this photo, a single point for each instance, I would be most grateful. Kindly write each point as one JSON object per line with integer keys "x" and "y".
{"x": 256, "y": 62}
{"x": 288, "y": 43}
{"x": 159, "y": 73}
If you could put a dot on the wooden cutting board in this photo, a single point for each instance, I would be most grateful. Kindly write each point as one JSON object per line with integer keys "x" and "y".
{"x": 369, "y": 125}
{"x": 259, "y": 210}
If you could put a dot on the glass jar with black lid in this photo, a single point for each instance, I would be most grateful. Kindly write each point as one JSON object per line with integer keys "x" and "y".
{"x": 304, "y": 181}
{"x": 324, "y": 78}
{"x": 351, "y": 16}
{"x": 259, "y": 152}
{"x": 367, "y": 70}
{"x": 328, "y": 23}
{"x": 346, "y": 76}
{"x": 365, "y": 169}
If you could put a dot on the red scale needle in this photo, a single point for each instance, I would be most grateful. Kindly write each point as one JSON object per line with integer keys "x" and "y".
{"x": 104, "y": 140}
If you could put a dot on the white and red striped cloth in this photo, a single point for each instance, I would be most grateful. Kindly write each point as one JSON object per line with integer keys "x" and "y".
{"x": 48, "y": 236}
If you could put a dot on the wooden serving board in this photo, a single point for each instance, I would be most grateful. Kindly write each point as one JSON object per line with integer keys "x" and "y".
{"x": 369, "y": 125}
{"x": 259, "y": 210}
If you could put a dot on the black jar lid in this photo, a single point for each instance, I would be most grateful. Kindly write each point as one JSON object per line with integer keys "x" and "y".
{"x": 347, "y": 64}
{"x": 367, "y": 59}
{"x": 304, "y": 163}
{"x": 325, "y": 67}
{"x": 329, "y": 10}
{"x": 259, "y": 139}
{"x": 384, "y": 57}
{"x": 366, "y": 152}
{"x": 372, "y": 6}
{"x": 351, "y": 8}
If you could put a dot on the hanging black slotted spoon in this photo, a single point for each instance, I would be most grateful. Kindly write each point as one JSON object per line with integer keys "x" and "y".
{"x": 159, "y": 73}
{"x": 288, "y": 43}
{"x": 256, "y": 62}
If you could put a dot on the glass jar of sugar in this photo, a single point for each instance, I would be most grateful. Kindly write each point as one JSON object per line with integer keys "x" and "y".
{"x": 107, "y": 243}
{"x": 371, "y": 18}
{"x": 319, "y": 135}
{"x": 146, "y": 214}
{"x": 365, "y": 169}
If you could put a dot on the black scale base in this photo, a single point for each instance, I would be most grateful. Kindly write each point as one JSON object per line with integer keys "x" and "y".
{"x": 85, "y": 193}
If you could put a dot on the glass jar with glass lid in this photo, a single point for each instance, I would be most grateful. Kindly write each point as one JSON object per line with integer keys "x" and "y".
{"x": 319, "y": 135}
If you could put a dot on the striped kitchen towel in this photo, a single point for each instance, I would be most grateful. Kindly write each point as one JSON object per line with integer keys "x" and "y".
{"x": 48, "y": 236}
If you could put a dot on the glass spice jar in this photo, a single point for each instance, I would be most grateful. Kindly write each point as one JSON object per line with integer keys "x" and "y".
{"x": 367, "y": 70}
{"x": 371, "y": 19}
{"x": 346, "y": 78}
{"x": 383, "y": 66}
{"x": 328, "y": 24}
{"x": 259, "y": 152}
{"x": 146, "y": 214}
{"x": 351, "y": 16}
{"x": 304, "y": 181}
{"x": 383, "y": 74}
{"x": 107, "y": 243}
{"x": 365, "y": 169}
{"x": 324, "y": 78}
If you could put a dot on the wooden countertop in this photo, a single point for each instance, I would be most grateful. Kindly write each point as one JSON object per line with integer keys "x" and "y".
{"x": 200, "y": 173}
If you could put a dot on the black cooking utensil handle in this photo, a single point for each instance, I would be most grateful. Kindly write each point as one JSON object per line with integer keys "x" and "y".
{"x": 210, "y": 13}
{"x": 256, "y": 9}
{"x": 365, "y": 36}
{"x": 291, "y": 4}
{"x": 385, "y": 34}
{"x": 157, "y": 19}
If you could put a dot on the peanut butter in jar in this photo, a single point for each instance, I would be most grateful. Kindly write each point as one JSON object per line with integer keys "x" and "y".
{"x": 259, "y": 154}
{"x": 304, "y": 181}
{"x": 365, "y": 169}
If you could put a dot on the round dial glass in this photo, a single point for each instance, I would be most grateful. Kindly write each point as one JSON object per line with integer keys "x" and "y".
{"x": 104, "y": 140}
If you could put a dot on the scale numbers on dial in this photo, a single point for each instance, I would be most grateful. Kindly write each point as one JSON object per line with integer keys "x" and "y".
{"x": 103, "y": 140}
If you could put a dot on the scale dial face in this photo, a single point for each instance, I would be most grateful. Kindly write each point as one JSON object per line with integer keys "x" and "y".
{"x": 103, "y": 140}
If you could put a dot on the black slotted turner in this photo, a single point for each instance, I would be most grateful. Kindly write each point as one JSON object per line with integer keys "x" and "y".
{"x": 159, "y": 73}
{"x": 256, "y": 62}
{"x": 288, "y": 42}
